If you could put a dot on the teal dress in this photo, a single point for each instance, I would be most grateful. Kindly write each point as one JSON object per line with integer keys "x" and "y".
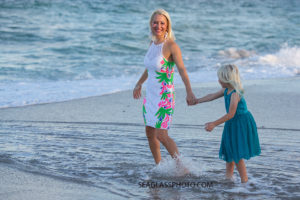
{"x": 240, "y": 138}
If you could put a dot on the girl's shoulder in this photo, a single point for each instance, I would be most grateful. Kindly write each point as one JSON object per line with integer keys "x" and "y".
{"x": 235, "y": 95}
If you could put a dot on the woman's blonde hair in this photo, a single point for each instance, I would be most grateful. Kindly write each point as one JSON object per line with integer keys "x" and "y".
{"x": 230, "y": 74}
{"x": 170, "y": 34}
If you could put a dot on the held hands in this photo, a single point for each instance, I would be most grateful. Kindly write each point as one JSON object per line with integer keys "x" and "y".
{"x": 209, "y": 126}
{"x": 137, "y": 91}
{"x": 191, "y": 99}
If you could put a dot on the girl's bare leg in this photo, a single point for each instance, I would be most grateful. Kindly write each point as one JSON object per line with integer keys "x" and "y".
{"x": 241, "y": 167}
{"x": 229, "y": 169}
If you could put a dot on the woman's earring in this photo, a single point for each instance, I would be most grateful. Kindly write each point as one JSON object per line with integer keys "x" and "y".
{"x": 151, "y": 36}
{"x": 166, "y": 35}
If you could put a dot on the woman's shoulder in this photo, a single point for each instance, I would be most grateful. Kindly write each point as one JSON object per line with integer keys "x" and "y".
{"x": 171, "y": 45}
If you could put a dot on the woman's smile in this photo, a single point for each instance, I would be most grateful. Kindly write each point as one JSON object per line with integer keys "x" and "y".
{"x": 159, "y": 26}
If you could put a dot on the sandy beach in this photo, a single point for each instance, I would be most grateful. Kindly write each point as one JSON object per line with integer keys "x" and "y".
{"x": 273, "y": 103}
{"x": 70, "y": 128}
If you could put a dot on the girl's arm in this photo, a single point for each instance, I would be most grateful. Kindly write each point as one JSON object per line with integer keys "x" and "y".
{"x": 137, "y": 91}
{"x": 211, "y": 97}
{"x": 177, "y": 57}
{"x": 234, "y": 100}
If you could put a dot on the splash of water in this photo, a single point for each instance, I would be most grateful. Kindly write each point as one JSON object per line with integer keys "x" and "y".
{"x": 285, "y": 57}
{"x": 182, "y": 166}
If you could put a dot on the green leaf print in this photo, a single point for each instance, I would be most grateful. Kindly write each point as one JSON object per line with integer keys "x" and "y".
{"x": 158, "y": 124}
{"x": 162, "y": 76}
{"x": 144, "y": 112}
{"x": 161, "y": 113}
{"x": 165, "y": 95}
{"x": 168, "y": 64}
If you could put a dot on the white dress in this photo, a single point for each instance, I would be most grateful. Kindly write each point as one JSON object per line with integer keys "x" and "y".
{"x": 158, "y": 106}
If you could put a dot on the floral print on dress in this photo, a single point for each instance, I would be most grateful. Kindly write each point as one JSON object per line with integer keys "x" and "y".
{"x": 144, "y": 111}
{"x": 166, "y": 105}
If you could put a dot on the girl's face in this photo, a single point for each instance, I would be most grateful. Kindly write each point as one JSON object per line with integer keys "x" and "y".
{"x": 159, "y": 26}
{"x": 224, "y": 85}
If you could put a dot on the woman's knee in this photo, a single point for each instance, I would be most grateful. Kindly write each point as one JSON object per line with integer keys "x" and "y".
{"x": 162, "y": 136}
{"x": 150, "y": 132}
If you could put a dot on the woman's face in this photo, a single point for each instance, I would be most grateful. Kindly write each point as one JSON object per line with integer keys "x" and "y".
{"x": 159, "y": 26}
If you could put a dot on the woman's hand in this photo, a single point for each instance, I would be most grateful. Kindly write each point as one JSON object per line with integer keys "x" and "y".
{"x": 191, "y": 99}
{"x": 209, "y": 126}
{"x": 137, "y": 91}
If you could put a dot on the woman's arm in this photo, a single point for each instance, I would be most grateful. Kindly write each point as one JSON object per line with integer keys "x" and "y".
{"x": 137, "y": 91}
{"x": 177, "y": 58}
{"x": 234, "y": 100}
{"x": 211, "y": 97}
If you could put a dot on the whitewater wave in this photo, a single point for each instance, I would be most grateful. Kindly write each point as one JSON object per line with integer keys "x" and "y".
{"x": 285, "y": 57}
{"x": 236, "y": 53}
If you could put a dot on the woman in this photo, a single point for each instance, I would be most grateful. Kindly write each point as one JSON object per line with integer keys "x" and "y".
{"x": 159, "y": 103}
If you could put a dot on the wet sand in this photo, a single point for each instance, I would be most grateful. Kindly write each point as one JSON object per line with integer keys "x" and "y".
{"x": 273, "y": 103}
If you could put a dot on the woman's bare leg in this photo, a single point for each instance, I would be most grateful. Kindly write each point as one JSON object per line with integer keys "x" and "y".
{"x": 154, "y": 143}
{"x": 163, "y": 137}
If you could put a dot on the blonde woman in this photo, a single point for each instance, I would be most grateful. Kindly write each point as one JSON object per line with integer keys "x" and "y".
{"x": 240, "y": 139}
{"x": 158, "y": 107}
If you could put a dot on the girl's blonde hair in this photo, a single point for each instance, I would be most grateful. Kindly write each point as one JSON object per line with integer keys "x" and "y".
{"x": 170, "y": 34}
{"x": 230, "y": 74}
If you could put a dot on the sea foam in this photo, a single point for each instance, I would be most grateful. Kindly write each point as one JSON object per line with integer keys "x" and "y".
{"x": 285, "y": 57}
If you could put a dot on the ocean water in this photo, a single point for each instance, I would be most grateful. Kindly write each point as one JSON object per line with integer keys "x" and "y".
{"x": 60, "y": 50}
{"x": 67, "y": 49}
{"x": 89, "y": 154}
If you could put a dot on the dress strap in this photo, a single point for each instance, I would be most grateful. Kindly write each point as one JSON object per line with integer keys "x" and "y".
{"x": 225, "y": 91}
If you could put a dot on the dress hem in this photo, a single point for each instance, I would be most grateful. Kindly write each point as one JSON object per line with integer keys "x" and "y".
{"x": 242, "y": 157}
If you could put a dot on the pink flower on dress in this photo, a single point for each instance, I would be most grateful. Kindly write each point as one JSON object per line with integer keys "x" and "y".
{"x": 165, "y": 122}
{"x": 144, "y": 101}
{"x": 164, "y": 88}
{"x": 170, "y": 86}
{"x": 163, "y": 71}
{"x": 165, "y": 104}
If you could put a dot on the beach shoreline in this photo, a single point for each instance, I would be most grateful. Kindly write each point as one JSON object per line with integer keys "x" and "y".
{"x": 272, "y": 102}
{"x": 258, "y": 93}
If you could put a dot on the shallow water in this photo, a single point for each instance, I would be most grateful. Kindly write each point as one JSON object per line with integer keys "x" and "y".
{"x": 67, "y": 49}
{"x": 116, "y": 158}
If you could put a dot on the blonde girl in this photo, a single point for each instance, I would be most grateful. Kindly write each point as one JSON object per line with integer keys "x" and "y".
{"x": 240, "y": 139}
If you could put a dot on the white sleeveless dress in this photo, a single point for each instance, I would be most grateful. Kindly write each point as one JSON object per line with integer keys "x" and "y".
{"x": 158, "y": 106}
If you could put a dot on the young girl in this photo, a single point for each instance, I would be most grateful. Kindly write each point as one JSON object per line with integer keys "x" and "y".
{"x": 239, "y": 140}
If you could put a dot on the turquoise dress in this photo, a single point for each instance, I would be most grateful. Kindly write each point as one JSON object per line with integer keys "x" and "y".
{"x": 240, "y": 138}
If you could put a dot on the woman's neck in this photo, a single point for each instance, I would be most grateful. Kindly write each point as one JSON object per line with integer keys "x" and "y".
{"x": 159, "y": 40}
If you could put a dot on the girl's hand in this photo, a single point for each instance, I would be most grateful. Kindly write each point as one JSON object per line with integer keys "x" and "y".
{"x": 191, "y": 99}
{"x": 209, "y": 126}
{"x": 137, "y": 91}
